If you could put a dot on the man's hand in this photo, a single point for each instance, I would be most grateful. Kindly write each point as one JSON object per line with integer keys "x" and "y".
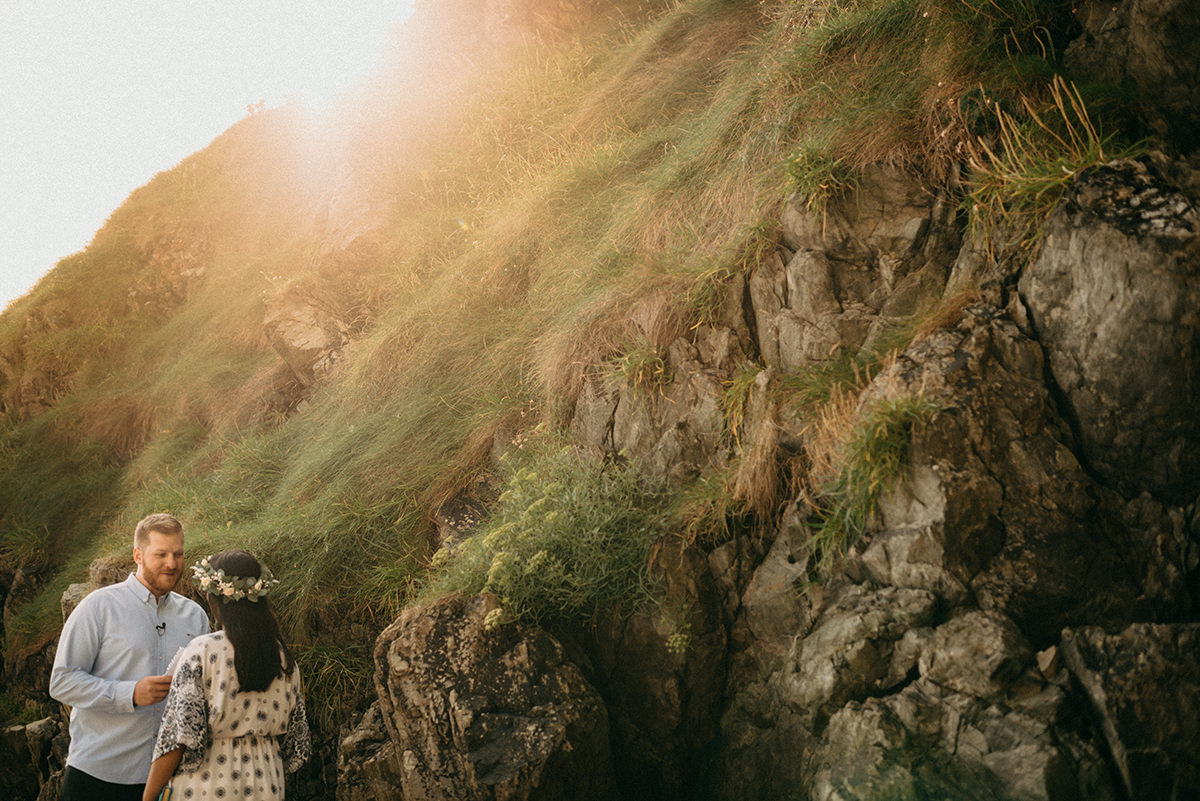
{"x": 151, "y": 690}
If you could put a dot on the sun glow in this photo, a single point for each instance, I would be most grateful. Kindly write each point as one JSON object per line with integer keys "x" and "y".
{"x": 315, "y": 52}
{"x": 95, "y": 98}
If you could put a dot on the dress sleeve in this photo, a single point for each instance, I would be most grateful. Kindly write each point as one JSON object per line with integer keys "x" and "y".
{"x": 295, "y": 747}
{"x": 185, "y": 716}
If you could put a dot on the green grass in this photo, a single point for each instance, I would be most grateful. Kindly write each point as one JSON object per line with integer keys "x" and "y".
{"x": 642, "y": 367}
{"x": 1016, "y": 184}
{"x": 872, "y": 457}
{"x": 336, "y": 678}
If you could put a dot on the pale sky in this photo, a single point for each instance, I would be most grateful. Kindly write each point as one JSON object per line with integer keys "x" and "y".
{"x": 97, "y": 96}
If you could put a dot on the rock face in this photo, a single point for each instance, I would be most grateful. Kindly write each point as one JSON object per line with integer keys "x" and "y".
{"x": 1144, "y": 685}
{"x": 871, "y": 257}
{"x": 487, "y": 713}
{"x": 33, "y": 755}
{"x": 917, "y": 675}
{"x": 1113, "y": 296}
{"x": 955, "y": 650}
{"x": 1144, "y": 47}
{"x": 675, "y": 430}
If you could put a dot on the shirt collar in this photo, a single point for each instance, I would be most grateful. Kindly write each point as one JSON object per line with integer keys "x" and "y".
{"x": 142, "y": 592}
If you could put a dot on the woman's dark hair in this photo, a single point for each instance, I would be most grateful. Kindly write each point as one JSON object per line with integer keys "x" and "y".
{"x": 259, "y": 653}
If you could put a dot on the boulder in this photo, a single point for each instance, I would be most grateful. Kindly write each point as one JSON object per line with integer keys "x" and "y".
{"x": 1113, "y": 296}
{"x": 480, "y": 709}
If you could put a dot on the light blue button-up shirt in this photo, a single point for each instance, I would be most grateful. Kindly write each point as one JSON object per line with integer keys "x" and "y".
{"x": 116, "y": 636}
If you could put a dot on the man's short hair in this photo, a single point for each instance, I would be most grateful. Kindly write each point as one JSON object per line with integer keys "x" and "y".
{"x": 161, "y": 522}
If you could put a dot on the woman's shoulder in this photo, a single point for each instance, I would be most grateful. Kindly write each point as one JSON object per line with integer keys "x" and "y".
{"x": 207, "y": 642}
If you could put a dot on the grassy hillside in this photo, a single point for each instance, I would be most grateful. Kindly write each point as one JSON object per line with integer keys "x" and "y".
{"x": 487, "y": 228}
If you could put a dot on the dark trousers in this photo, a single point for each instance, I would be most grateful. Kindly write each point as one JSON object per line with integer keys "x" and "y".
{"x": 79, "y": 786}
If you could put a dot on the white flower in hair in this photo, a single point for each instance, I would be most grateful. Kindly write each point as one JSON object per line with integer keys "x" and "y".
{"x": 233, "y": 588}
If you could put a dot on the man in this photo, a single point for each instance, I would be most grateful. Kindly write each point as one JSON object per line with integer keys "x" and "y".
{"x": 111, "y": 666}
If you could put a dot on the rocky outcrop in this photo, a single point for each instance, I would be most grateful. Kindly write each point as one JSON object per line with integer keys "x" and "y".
{"x": 475, "y": 710}
{"x": 953, "y": 651}
{"x": 1113, "y": 296}
{"x": 469, "y": 710}
{"x": 871, "y": 257}
{"x": 309, "y": 337}
{"x": 674, "y": 429}
{"x": 33, "y": 755}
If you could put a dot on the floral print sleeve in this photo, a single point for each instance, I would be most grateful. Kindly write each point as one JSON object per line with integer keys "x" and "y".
{"x": 185, "y": 717}
{"x": 295, "y": 746}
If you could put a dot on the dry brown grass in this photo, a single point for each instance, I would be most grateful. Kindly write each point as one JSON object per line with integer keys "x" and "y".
{"x": 758, "y": 483}
{"x": 945, "y": 313}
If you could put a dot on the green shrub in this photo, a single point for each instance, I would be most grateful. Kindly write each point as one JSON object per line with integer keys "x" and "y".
{"x": 571, "y": 539}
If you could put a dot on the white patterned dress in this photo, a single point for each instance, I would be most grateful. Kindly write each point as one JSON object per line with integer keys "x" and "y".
{"x": 237, "y": 745}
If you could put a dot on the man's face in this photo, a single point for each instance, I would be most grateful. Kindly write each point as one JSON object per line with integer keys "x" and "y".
{"x": 160, "y": 562}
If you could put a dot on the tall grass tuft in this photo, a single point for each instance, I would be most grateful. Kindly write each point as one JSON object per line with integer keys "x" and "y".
{"x": 1018, "y": 181}
{"x": 866, "y": 461}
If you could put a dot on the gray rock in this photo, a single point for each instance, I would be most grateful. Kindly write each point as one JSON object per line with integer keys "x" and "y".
{"x": 927, "y": 742}
{"x": 1113, "y": 296}
{"x": 979, "y": 654}
{"x": 309, "y": 337}
{"x": 773, "y": 610}
{"x": 995, "y": 505}
{"x": 367, "y": 762}
{"x": 869, "y": 258}
{"x": 33, "y": 756}
{"x": 1144, "y": 685}
{"x": 849, "y": 653}
{"x": 72, "y": 595}
{"x": 673, "y": 430}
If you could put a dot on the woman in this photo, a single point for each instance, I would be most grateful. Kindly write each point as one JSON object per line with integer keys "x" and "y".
{"x": 234, "y": 720}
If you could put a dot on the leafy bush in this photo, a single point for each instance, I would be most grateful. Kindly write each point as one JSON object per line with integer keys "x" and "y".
{"x": 571, "y": 539}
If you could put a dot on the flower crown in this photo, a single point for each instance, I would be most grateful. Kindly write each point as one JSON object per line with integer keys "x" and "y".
{"x": 233, "y": 588}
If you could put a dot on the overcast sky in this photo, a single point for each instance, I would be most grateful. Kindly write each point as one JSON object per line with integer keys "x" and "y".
{"x": 97, "y": 96}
